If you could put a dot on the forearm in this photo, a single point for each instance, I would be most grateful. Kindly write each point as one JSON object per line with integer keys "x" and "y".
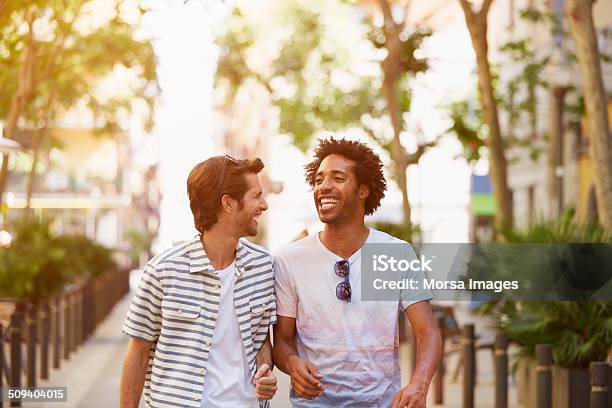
{"x": 264, "y": 355}
{"x": 132, "y": 378}
{"x": 283, "y": 352}
{"x": 429, "y": 353}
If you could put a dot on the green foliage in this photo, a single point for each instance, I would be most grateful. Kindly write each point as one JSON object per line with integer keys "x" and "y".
{"x": 409, "y": 43}
{"x": 408, "y": 233}
{"x": 561, "y": 230}
{"x": 580, "y": 332}
{"x": 140, "y": 242}
{"x": 467, "y": 125}
{"x": 308, "y": 61}
{"x": 39, "y": 264}
{"x": 71, "y": 61}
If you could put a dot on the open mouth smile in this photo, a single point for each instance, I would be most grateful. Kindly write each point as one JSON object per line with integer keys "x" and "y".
{"x": 327, "y": 203}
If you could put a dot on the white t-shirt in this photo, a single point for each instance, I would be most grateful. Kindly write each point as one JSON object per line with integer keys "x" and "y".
{"x": 228, "y": 381}
{"x": 354, "y": 345}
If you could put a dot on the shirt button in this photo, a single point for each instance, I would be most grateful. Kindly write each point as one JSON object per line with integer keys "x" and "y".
{"x": 201, "y": 371}
{"x": 180, "y": 311}
{"x": 217, "y": 287}
{"x": 195, "y": 398}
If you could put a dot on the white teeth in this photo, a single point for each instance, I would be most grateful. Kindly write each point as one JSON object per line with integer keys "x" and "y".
{"x": 328, "y": 203}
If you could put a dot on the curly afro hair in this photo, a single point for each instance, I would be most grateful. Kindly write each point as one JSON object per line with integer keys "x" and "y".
{"x": 368, "y": 167}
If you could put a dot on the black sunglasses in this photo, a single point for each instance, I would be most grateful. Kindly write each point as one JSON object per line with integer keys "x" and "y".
{"x": 343, "y": 290}
{"x": 226, "y": 159}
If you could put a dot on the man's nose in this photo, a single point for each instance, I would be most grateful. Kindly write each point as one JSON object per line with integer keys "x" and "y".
{"x": 264, "y": 205}
{"x": 325, "y": 185}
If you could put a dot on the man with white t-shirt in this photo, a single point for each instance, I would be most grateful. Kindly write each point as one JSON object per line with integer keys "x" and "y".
{"x": 341, "y": 351}
{"x": 199, "y": 322}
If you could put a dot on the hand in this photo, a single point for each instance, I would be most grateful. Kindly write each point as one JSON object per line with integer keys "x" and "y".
{"x": 411, "y": 396}
{"x": 305, "y": 378}
{"x": 265, "y": 382}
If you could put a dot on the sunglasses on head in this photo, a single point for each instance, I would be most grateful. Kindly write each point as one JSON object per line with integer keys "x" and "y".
{"x": 226, "y": 159}
{"x": 343, "y": 290}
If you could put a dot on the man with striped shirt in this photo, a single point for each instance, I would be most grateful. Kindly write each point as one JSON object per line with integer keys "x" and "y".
{"x": 199, "y": 322}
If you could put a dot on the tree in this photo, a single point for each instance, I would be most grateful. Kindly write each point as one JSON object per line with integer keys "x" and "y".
{"x": 580, "y": 16}
{"x": 476, "y": 22}
{"x": 307, "y": 64}
{"x": 399, "y": 62}
{"x": 66, "y": 67}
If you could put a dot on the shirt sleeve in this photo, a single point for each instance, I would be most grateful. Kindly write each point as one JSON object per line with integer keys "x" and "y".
{"x": 286, "y": 298}
{"x": 409, "y": 296}
{"x": 270, "y": 316}
{"x": 143, "y": 320}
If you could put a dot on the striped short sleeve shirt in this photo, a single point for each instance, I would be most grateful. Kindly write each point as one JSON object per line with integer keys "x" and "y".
{"x": 175, "y": 308}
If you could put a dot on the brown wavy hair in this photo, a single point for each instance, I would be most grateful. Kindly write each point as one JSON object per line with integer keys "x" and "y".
{"x": 203, "y": 191}
{"x": 368, "y": 168}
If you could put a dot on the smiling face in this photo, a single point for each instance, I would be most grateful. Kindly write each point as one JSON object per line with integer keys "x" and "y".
{"x": 338, "y": 196}
{"x": 250, "y": 207}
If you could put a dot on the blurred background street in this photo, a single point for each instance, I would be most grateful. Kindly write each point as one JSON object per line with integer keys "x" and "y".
{"x": 492, "y": 119}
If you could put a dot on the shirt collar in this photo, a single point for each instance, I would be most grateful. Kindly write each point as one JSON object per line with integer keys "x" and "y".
{"x": 199, "y": 262}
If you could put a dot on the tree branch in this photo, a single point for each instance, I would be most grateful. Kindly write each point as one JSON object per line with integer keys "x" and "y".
{"x": 388, "y": 15}
{"x": 413, "y": 158}
{"x": 373, "y": 135}
{"x": 405, "y": 20}
{"x": 59, "y": 44}
{"x": 467, "y": 8}
{"x": 484, "y": 9}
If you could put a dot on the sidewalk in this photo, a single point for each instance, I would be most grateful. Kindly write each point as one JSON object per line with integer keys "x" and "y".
{"x": 92, "y": 373}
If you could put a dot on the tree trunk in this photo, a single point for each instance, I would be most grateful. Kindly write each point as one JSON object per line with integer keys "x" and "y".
{"x": 555, "y": 151}
{"x": 391, "y": 67}
{"x": 22, "y": 94}
{"x": 38, "y": 142}
{"x": 477, "y": 27}
{"x": 580, "y": 18}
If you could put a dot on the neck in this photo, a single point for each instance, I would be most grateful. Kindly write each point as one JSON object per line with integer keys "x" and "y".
{"x": 345, "y": 240}
{"x": 220, "y": 246}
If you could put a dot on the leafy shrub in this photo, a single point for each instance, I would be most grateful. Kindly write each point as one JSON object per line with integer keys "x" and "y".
{"x": 39, "y": 264}
{"x": 579, "y": 331}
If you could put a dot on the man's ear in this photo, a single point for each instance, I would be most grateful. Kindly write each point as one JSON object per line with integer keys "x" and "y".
{"x": 364, "y": 191}
{"x": 227, "y": 203}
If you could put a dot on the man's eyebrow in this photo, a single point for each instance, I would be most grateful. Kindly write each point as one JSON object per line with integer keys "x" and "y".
{"x": 332, "y": 172}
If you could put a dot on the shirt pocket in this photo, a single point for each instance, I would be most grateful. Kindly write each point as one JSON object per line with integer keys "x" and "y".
{"x": 182, "y": 311}
{"x": 259, "y": 307}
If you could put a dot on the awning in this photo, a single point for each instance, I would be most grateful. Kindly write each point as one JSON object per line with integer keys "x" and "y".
{"x": 10, "y": 146}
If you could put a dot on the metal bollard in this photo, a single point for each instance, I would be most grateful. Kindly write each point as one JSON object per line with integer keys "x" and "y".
{"x": 600, "y": 396}
{"x": 439, "y": 378}
{"x": 16, "y": 352}
{"x": 76, "y": 332}
{"x": 73, "y": 317}
{"x": 66, "y": 320}
{"x": 45, "y": 328}
{"x": 501, "y": 370}
{"x": 469, "y": 366}
{"x": 87, "y": 311}
{"x": 31, "y": 321}
{"x": 2, "y": 360}
{"x": 544, "y": 376}
{"x": 56, "y": 333}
